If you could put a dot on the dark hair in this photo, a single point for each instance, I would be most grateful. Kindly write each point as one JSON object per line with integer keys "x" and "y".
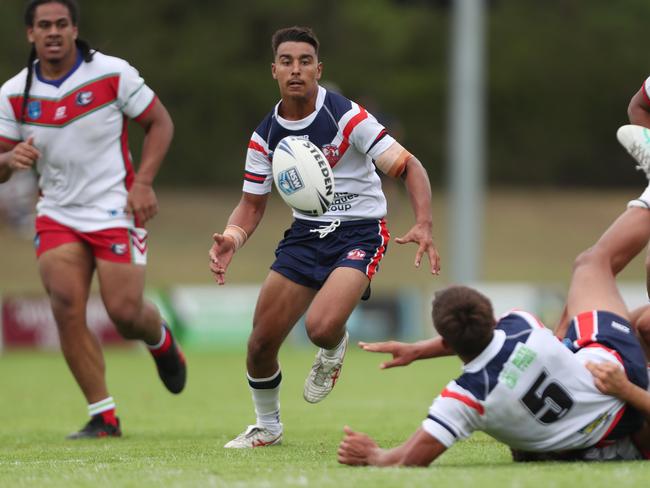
{"x": 86, "y": 52}
{"x": 294, "y": 34}
{"x": 464, "y": 318}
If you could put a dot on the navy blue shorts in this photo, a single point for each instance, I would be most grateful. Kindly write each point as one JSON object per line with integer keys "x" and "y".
{"x": 599, "y": 328}
{"x": 307, "y": 259}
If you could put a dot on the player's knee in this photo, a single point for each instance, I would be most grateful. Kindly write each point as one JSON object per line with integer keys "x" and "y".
{"x": 322, "y": 330}
{"x": 590, "y": 256}
{"x": 124, "y": 314}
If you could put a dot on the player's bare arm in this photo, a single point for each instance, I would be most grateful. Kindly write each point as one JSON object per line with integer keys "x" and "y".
{"x": 405, "y": 353}
{"x": 419, "y": 189}
{"x": 159, "y": 130}
{"x": 22, "y": 156}
{"x": 638, "y": 111}
{"x": 242, "y": 223}
{"x": 358, "y": 449}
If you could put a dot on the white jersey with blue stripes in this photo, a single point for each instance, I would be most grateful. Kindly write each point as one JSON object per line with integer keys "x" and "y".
{"x": 350, "y": 138}
{"x": 527, "y": 390}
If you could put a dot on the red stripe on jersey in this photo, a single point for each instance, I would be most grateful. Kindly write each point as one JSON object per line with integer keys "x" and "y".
{"x": 255, "y": 178}
{"x": 126, "y": 157}
{"x": 645, "y": 93}
{"x": 349, "y": 127}
{"x": 585, "y": 324}
{"x": 617, "y": 418}
{"x": 465, "y": 399}
{"x": 146, "y": 110}
{"x": 8, "y": 141}
{"x": 374, "y": 263}
{"x": 83, "y": 100}
{"x": 257, "y": 147}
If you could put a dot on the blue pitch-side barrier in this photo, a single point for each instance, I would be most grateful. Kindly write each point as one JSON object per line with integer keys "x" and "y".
{"x": 210, "y": 317}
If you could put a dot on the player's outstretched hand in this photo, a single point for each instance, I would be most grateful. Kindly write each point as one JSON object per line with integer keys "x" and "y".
{"x": 609, "y": 378}
{"x": 142, "y": 202}
{"x": 356, "y": 448}
{"x": 421, "y": 235}
{"x": 221, "y": 254}
{"x": 24, "y": 155}
{"x": 403, "y": 353}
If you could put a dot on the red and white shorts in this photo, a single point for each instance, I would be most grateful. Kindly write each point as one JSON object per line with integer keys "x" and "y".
{"x": 118, "y": 245}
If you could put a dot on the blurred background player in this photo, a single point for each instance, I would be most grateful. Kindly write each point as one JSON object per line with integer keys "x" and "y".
{"x": 323, "y": 265}
{"x": 524, "y": 387}
{"x": 66, "y": 114}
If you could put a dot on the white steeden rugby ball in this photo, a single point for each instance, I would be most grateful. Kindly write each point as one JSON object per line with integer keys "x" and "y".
{"x": 303, "y": 176}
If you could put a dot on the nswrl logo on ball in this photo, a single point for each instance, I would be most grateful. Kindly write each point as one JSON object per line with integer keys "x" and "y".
{"x": 289, "y": 181}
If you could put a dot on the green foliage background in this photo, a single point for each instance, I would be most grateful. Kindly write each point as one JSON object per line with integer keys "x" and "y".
{"x": 560, "y": 75}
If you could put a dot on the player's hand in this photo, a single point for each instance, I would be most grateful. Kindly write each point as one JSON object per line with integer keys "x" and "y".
{"x": 221, "y": 254}
{"x": 403, "y": 354}
{"x": 422, "y": 236}
{"x": 142, "y": 202}
{"x": 24, "y": 155}
{"x": 609, "y": 378}
{"x": 356, "y": 448}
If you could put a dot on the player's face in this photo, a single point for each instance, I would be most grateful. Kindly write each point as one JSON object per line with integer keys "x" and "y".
{"x": 53, "y": 33}
{"x": 297, "y": 69}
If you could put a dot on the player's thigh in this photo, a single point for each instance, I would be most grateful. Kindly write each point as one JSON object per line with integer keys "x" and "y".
{"x": 336, "y": 300}
{"x": 625, "y": 238}
{"x": 66, "y": 272}
{"x": 121, "y": 286}
{"x": 280, "y": 304}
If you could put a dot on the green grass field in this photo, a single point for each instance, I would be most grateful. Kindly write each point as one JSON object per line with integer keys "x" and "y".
{"x": 173, "y": 441}
{"x": 176, "y": 441}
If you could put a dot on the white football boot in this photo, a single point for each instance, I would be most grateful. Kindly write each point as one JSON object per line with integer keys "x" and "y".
{"x": 636, "y": 141}
{"x": 255, "y": 436}
{"x": 324, "y": 373}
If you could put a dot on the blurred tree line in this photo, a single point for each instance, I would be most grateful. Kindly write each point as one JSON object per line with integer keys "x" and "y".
{"x": 561, "y": 73}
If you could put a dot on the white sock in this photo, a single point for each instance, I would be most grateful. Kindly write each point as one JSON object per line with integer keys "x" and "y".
{"x": 331, "y": 353}
{"x": 643, "y": 201}
{"x": 101, "y": 406}
{"x": 266, "y": 398}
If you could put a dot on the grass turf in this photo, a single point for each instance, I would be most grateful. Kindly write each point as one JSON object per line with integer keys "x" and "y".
{"x": 177, "y": 441}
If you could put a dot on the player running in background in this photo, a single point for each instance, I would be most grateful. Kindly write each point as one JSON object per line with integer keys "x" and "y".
{"x": 521, "y": 385}
{"x": 324, "y": 264}
{"x": 66, "y": 115}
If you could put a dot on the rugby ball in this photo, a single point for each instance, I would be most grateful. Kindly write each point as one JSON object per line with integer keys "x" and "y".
{"x": 303, "y": 176}
{"x": 636, "y": 141}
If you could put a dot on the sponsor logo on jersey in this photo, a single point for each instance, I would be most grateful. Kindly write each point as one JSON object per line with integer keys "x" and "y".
{"x": 290, "y": 181}
{"x": 623, "y": 328}
{"x": 331, "y": 153}
{"x": 34, "y": 110}
{"x": 84, "y": 98}
{"x": 356, "y": 254}
{"x": 119, "y": 249}
{"x": 61, "y": 113}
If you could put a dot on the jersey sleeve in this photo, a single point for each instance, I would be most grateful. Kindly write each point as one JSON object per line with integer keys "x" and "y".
{"x": 133, "y": 94}
{"x": 454, "y": 415}
{"x": 9, "y": 127}
{"x": 362, "y": 130}
{"x": 258, "y": 174}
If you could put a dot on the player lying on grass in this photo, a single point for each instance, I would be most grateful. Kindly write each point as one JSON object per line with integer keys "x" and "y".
{"x": 524, "y": 387}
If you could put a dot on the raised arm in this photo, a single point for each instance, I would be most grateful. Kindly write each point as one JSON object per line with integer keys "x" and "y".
{"x": 358, "y": 449}
{"x": 404, "y": 353}
{"x": 242, "y": 223}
